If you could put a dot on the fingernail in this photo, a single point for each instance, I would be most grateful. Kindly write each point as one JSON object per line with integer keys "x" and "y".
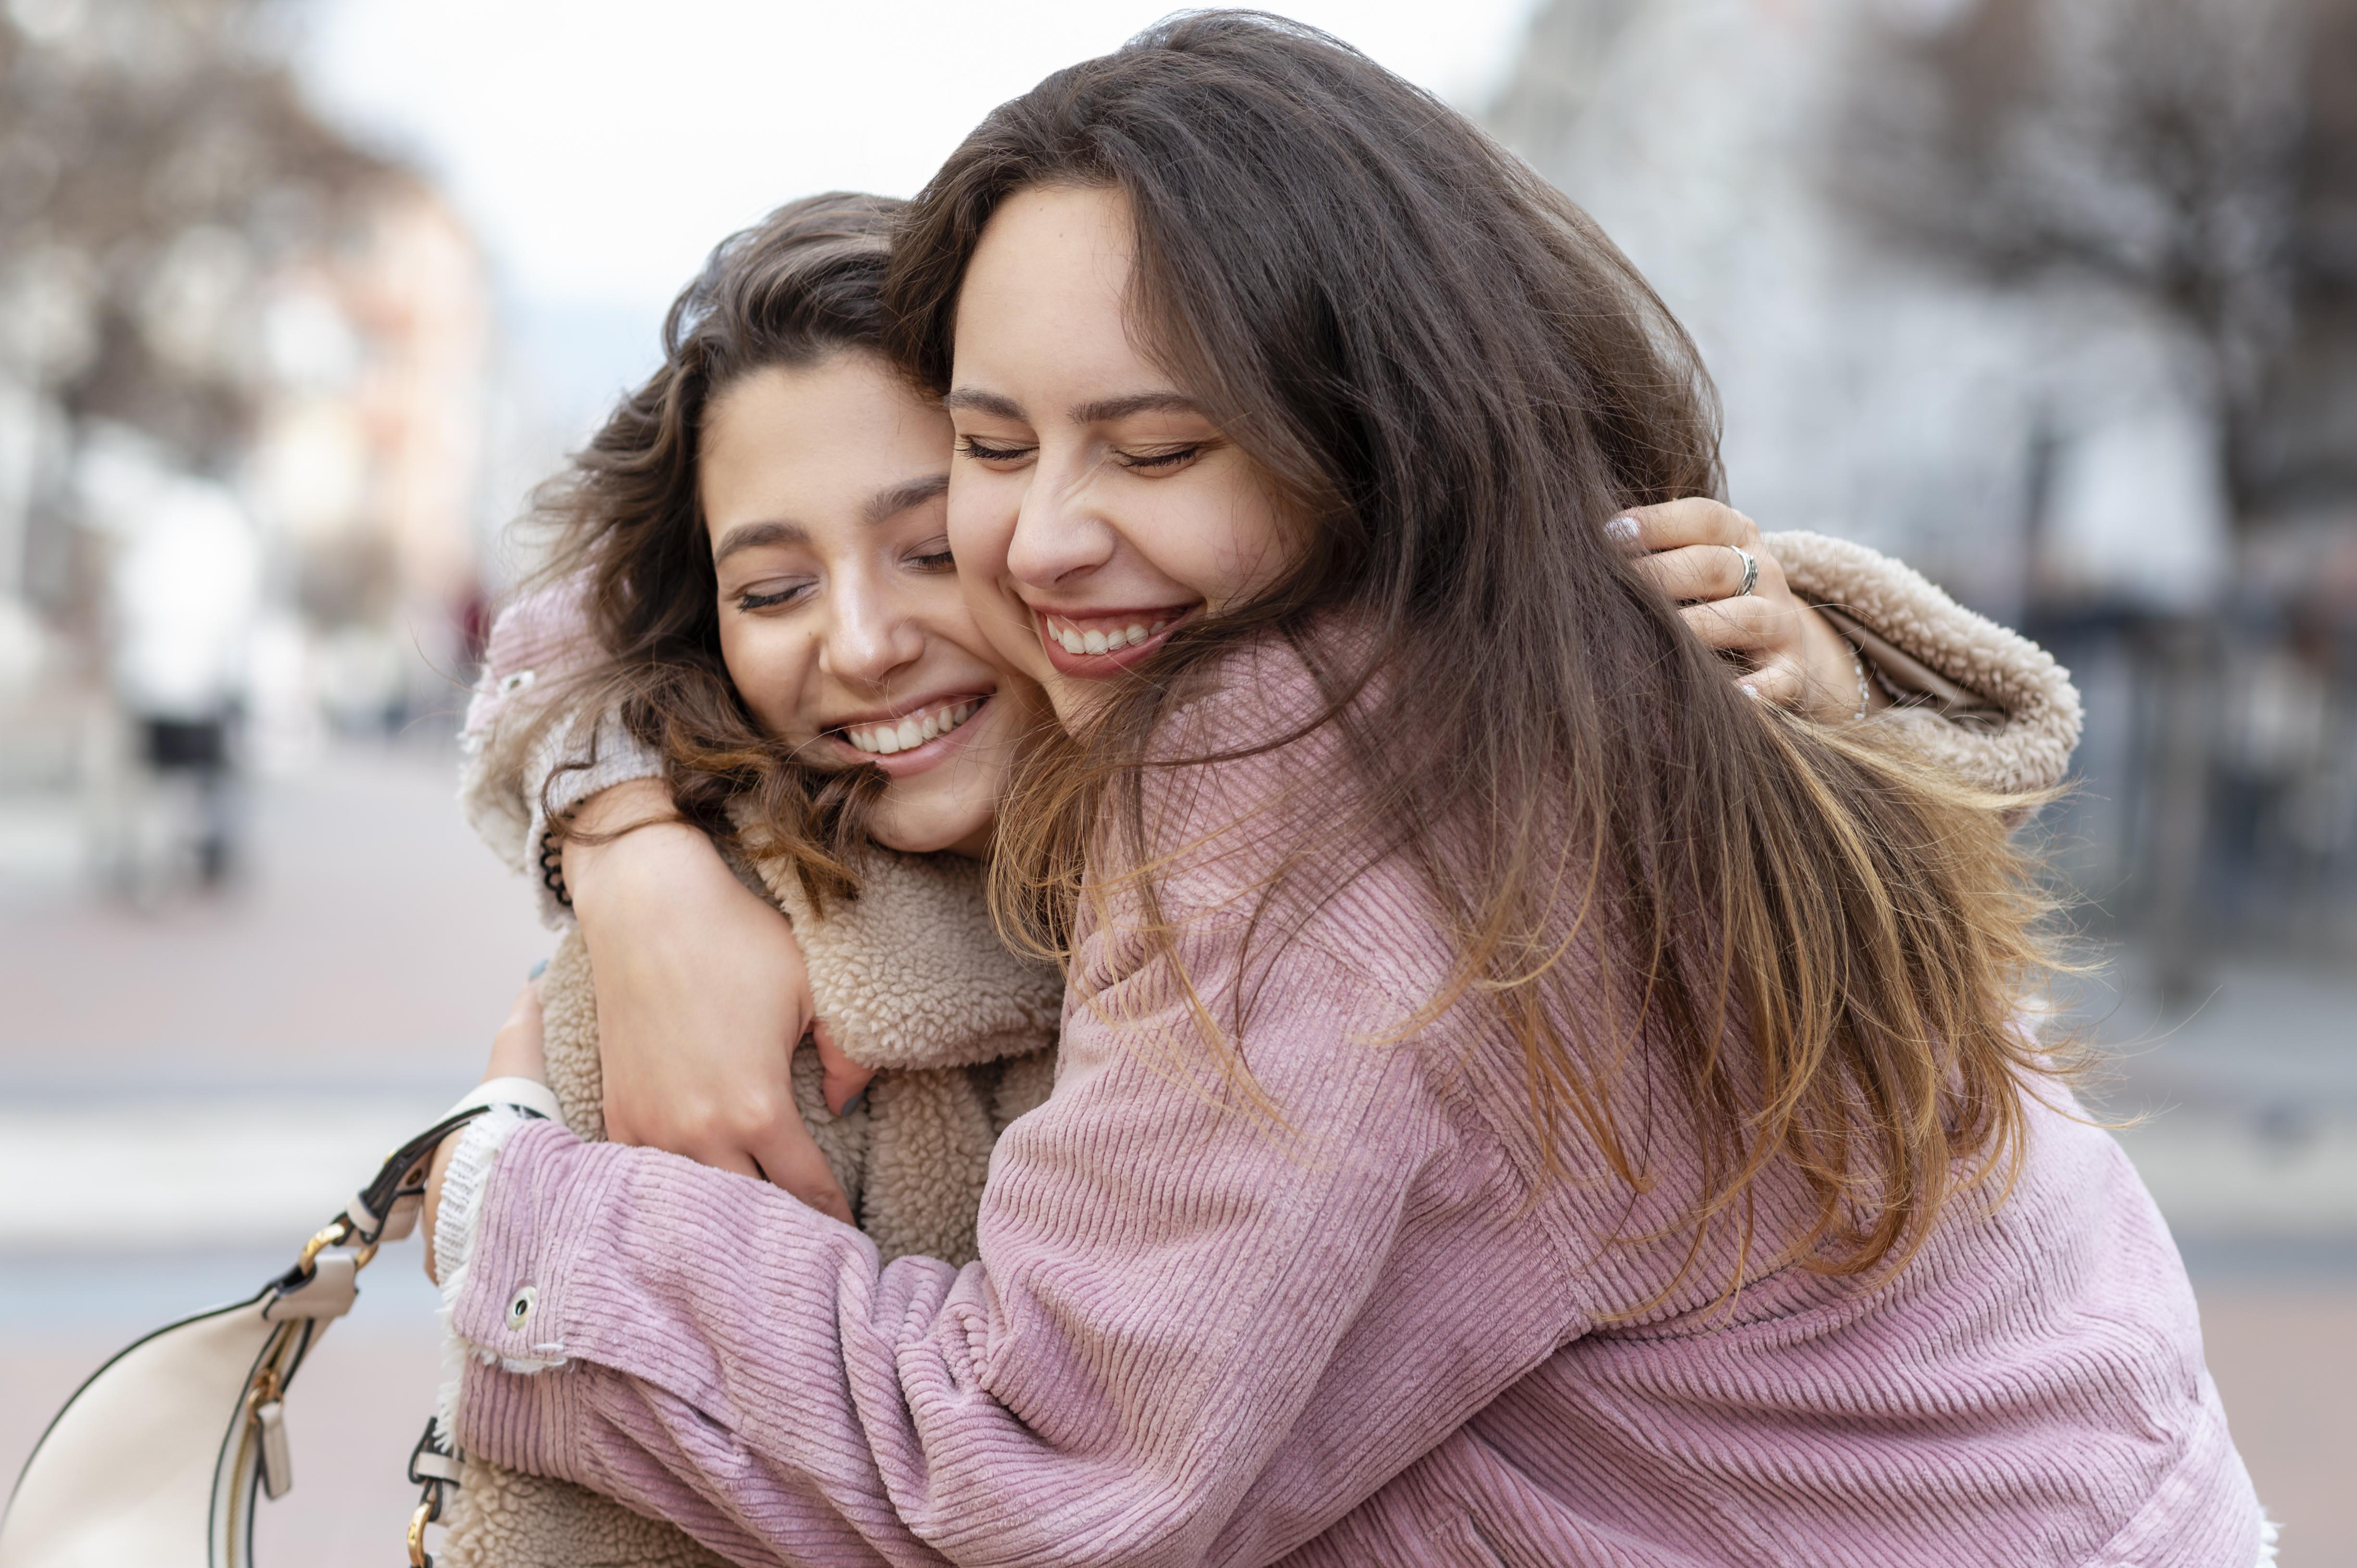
{"x": 538, "y": 968}
{"x": 1623, "y": 530}
{"x": 1750, "y": 690}
{"x": 856, "y": 1102}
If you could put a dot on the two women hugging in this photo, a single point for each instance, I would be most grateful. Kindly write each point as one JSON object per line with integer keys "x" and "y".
{"x": 1265, "y": 939}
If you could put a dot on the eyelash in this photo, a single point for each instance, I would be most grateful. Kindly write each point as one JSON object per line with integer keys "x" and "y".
{"x": 769, "y": 601}
{"x": 968, "y": 446}
{"x": 1160, "y": 460}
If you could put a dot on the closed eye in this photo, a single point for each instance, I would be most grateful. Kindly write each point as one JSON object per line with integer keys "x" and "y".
{"x": 754, "y": 600}
{"x": 985, "y": 452}
{"x": 1159, "y": 462}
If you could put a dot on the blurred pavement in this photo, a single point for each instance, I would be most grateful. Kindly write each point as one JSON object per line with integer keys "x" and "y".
{"x": 186, "y": 1095}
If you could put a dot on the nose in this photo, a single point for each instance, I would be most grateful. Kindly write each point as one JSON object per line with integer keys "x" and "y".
{"x": 1059, "y": 533}
{"x": 871, "y": 632}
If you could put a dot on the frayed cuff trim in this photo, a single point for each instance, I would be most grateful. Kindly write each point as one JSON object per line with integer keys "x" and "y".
{"x": 454, "y": 1223}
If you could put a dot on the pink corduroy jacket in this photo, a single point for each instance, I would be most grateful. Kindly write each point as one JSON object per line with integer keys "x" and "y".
{"x": 1192, "y": 1338}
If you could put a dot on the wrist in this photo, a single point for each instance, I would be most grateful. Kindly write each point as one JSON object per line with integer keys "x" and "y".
{"x": 649, "y": 857}
{"x": 1840, "y": 688}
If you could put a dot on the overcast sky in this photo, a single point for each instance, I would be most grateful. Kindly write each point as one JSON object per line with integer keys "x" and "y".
{"x": 600, "y": 147}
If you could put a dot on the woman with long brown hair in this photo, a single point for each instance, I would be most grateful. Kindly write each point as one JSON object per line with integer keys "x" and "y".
{"x": 1521, "y": 1099}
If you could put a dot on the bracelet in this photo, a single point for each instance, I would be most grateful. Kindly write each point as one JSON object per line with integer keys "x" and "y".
{"x": 1865, "y": 687}
{"x": 551, "y": 870}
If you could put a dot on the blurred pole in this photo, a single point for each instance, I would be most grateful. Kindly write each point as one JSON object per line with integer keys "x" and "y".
{"x": 2181, "y": 652}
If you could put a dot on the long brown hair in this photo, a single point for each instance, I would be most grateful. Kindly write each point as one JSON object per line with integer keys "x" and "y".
{"x": 1451, "y": 377}
{"x": 803, "y": 284}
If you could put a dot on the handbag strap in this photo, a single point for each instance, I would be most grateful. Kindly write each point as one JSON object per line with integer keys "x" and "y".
{"x": 323, "y": 1284}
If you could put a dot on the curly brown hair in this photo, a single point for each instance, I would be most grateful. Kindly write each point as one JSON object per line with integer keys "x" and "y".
{"x": 800, "y": 287}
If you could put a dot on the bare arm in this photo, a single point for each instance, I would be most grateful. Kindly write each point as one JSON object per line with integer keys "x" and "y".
{"x": 702, "y": 996}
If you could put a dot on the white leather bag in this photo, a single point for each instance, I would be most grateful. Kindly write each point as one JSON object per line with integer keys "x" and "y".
{"x": 156, "y": 1460}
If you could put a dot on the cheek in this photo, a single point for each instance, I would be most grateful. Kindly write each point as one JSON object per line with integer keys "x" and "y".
{"x": 979, "y": 534}
{"x": 980, "y": 528}
{"x": 765, "y": 662}
{"x": 1224, "y": 541}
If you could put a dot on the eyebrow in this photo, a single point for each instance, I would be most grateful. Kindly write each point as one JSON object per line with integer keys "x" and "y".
{"x": 1103, "y": 411}
{"x": 888, "y": 502}
{"x": 983, "y": 401}
{"x": 894, "y": 499}
{"x": 1107, "y": 410}
{"x": 754, "y": 536}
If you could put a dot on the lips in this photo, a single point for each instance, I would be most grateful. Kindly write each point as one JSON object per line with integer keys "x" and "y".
{"x": 910, "y": 741}
{"x": 1094, "y": 644}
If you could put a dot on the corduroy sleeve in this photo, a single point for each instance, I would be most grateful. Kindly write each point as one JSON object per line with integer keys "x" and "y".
{"x": 1194, "y": 1334}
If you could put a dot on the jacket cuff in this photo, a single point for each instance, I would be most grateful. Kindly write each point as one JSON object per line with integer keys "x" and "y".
{"x": 570, "y": 765}
{"x": 1998, "y": 710}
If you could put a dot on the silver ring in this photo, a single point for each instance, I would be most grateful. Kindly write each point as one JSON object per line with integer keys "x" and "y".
{"x": 1750, "y": 572}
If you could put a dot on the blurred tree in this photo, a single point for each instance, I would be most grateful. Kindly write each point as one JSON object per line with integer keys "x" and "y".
{"x": 156, "y": 160}
{"x": 2201, "y": 156}
{"x": 2152, "y": 145}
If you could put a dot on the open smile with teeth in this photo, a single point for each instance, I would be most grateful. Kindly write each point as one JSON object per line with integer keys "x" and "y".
{"x": 1110, "y": 635}
{"x": 885, "y": 737}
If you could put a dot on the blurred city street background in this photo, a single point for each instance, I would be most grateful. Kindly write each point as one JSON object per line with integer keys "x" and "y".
{"x": 2055, "y": 298}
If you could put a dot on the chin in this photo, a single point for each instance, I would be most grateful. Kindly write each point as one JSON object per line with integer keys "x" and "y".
{"x": 921, "y": 832}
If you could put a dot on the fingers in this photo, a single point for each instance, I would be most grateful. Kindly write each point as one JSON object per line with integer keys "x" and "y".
{"x": 1748, "y": 625}
{"x": 1694, "y": 571}
{"x": 842, "y": 1080}
{"x": 792, "y": 1160}
{"x": 1678, "y": 524}
{"x": 519, "y": 1049}
{"x": 759, "y": 1136}
{"x": 1779, "y": 684}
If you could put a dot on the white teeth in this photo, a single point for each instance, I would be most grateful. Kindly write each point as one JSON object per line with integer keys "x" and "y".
{"x": 1072, "y": 641}
{"x": 1095, "y": 642}
{"x": 885, "y": 739}
{"x": 1136, "y": 632}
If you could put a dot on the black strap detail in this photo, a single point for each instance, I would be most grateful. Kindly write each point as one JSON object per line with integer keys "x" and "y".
{"x": 431, "y": 1489}
{"x": 400, "y": 1176}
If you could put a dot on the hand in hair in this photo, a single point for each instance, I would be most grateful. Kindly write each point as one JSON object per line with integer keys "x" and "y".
{"x": 1791, "y": 655}
{"x": 702, "y": 997}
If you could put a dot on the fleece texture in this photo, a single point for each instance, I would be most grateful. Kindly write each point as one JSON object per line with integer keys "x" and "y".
{"x": 1982, "y": 701}
{"x": 914, "y": 984}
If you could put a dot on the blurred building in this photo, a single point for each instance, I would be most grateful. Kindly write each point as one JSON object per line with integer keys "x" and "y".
{"x": 226, "y": 332}
{"x": 2054, "y": 298}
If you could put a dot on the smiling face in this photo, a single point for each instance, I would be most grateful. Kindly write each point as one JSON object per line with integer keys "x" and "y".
{"x": 1093, "y": 507}
{"x": 841, "y": 620}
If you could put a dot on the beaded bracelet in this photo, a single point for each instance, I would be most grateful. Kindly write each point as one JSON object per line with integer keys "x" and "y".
{"x": 1865, "y": 686}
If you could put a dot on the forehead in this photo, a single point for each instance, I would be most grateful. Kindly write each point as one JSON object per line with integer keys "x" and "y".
{"x": 1048, "y": 288}
{"x": 816, "y": 439}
